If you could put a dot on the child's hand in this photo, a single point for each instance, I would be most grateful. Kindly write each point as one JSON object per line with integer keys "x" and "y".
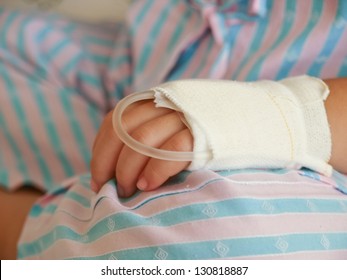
{"x": 157, "y": 127}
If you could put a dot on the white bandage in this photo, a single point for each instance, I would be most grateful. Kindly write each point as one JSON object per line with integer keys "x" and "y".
{"x": 263, "y": 124}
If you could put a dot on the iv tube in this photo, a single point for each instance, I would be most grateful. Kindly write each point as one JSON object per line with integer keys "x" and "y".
{"x": 140, "y": 147}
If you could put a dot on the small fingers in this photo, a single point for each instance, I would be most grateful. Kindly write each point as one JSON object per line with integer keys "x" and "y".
{"x": 107, "y": 146}
{"x": 141, "y": 112}
{"x": 105, "y": 150}
{"x": 153, "y": 133}
{"x": 158, "y": 171}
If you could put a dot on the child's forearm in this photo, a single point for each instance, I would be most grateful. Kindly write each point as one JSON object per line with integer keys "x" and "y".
{"x": 336, "y": 107}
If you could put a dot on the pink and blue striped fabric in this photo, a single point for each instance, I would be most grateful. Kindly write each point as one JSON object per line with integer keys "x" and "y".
{"x": 201, "y": 215}
{"x": 59, "y": 78}
{"x": 54, "y": 76}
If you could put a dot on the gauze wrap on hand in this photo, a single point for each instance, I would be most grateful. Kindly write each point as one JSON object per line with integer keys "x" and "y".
{"x": 263, "y": 124}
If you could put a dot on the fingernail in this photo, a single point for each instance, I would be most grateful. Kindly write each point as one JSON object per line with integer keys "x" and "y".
{"x": 142, "y": 184}
{"x": 94, "y": 186}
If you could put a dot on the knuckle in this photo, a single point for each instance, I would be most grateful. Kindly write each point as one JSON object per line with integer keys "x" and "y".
{"x": 155, "y": 171}
{"x": 143, "y": 135}
{"x": 177, "y": 144}
{"x": 127, "y": 120}
{"x": 125, "y": 123}
{"x": 108, "y": 119}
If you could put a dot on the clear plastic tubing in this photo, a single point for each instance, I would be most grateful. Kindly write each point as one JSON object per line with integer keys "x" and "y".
{"x": 140, "y": 147}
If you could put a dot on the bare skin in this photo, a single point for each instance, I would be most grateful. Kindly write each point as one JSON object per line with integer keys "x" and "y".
{"x": 153, "y": 126}
{"x": 336, "y": 106}
{"x": 161, "y": 128}
{"x": 14, "y": 208}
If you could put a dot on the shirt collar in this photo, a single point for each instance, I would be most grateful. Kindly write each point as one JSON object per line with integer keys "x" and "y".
{"x": 221, "y": 14}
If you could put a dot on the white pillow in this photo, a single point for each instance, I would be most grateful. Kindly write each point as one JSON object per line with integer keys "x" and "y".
{"x": 85, "y": 10}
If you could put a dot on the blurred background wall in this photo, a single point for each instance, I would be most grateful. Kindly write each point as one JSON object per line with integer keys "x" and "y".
{"x": 85, "y": 10}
